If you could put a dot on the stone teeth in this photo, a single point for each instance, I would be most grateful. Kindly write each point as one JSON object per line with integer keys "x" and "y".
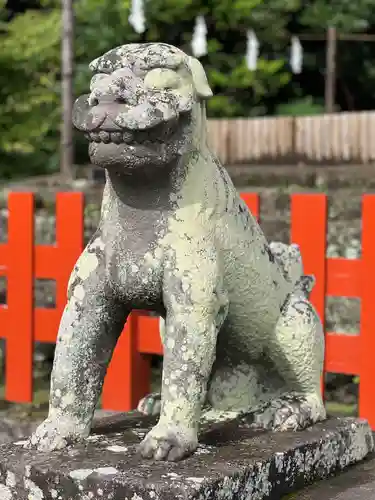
{"x": 116, "y": 137}
{"x": 95, "y": 137}
{"x": 127, "y": 137}
{"x": 104, "y": 136}
{"x": 147, "y": 138}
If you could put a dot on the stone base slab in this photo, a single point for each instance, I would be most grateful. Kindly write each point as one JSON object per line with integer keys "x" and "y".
{"x": 356, "y": 483}
{"x": 232, "y": 462}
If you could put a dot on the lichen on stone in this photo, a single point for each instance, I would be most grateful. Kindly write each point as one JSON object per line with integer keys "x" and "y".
{"x": 238, "y": 330}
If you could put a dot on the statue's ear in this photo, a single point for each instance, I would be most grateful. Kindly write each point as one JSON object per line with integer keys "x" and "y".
{"x": 199, "y": 79}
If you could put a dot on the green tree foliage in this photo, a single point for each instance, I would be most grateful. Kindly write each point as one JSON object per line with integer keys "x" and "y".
{"x": 345, "y": 15}
{"x": 29, "y": 90}
{"x": 30, "y": 107}
{"x": 354, "y": 59}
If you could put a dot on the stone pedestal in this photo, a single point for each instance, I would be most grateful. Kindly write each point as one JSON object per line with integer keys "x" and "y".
{"x": 357, "y": 483}
{"x": 232, "y": 462}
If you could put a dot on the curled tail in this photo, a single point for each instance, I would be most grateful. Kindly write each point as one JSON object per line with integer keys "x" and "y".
{"x": 290, "y": 260}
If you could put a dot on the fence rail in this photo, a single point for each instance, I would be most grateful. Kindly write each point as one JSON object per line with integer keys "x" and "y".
{"x": 336, "y": 138}
{"x": 128, "y": 376}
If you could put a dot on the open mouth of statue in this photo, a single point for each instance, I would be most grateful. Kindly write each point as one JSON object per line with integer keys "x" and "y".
{"x": 154, "y": 135}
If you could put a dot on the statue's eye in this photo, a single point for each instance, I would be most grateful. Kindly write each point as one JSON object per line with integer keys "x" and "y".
{"x": 162, "y": 79}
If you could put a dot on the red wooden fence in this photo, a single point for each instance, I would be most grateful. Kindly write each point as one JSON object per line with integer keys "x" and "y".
{"x": 129, "y": 372}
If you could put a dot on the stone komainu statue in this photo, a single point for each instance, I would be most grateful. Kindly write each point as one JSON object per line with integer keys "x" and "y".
{"x": 239, "y": 332}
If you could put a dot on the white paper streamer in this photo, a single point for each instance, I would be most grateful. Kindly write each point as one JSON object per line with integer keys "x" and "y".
{"x": 296, "y": 55}
{"x": 137, "y": 17}
{"x": 199, "y": 40}
{"x": 252, "y": 50}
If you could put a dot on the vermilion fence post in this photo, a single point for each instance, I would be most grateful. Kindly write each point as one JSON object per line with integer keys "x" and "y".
{"x": 252, "y": 201}
{"x": 129, "y": 372}
{"x": 128, "y": 375}
{"x": 56, "y": 262}
{"x": 69, "y": 240}
{"x": 308, "y": 228}
{"x": 20, "y": 298}
{"x": 367, "y": 335}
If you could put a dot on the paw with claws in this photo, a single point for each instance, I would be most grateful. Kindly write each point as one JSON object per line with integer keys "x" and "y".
{"x": 169, "y": 443}
{"x": 291, "y": 412}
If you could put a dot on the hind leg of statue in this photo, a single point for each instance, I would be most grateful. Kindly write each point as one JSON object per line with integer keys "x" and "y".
{"x": 236, "y": 387}
{"x": 286, "y": 394}
{"x": 90, "y": 326}
{"x": 297, "y": 350}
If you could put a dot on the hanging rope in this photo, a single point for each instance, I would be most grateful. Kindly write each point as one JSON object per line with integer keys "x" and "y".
{"x": 296, "y": 55}
{"x": 199, "y": 40}
{"x": 252, "y": 50}
{"x": 137, "y": 20}
{"x": 137, "y": 17}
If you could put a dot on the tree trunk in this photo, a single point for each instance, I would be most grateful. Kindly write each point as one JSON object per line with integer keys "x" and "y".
{"x": 330, "y": 77}
{"x": 66, "y": 144}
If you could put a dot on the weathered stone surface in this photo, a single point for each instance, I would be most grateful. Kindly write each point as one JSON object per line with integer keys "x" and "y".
{"x": 232, "y": 462}
{"x": 356, "y": 483}
{"x": 11, "y": 430}
{"x": 175, "y": 238}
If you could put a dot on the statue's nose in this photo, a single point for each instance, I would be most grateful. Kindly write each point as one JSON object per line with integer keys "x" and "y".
{"x": 107, "y": 99}
{"x": 97, "y": 97}
{"x": 110, "y": 106}
{"x": 109, "y": 125}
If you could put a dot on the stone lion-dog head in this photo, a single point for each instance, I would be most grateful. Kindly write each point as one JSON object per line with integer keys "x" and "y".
{"x": 145, "y": 108}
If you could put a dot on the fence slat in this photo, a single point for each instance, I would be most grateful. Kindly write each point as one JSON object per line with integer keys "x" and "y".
{"x": 367, "y": 338}
{"x": 343, "y": 277}
{"x": 4, "y": 263}
{"x": 4, "y": 321}
{"x": 148, "y": 335}
{"x": 20, "y": 298}
{"x": 46, "y": 324}
{"x": 69, "y": 239}
{"x": 252, "y": 202}
{"x": 128, "y": 375}
{"x": 308, "y": 229}
{"x": 45, "y": 258}
{"x": 342, "y": 353}
{"x": 68, "y": 247}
